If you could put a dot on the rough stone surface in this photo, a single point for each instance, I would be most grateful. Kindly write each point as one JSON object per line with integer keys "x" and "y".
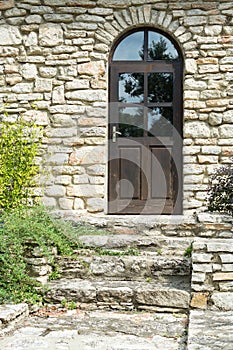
{"x": 118, "y": 294}
{"x": 100, "y": 330}
{"x": 210, "y": 330}
{"x": 54, "y": 56}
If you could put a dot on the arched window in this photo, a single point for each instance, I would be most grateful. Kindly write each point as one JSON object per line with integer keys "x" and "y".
{"x": 145, "y": 124}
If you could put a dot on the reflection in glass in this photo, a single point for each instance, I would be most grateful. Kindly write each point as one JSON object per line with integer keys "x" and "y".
{"x": 160, "y": 87}
{"x": 131, "y": 87}
{"x": 160, "y": 48}
{"x": 160, "y": 121}
{"x": 130, "y": 48}
{"x": 131, "y": 122}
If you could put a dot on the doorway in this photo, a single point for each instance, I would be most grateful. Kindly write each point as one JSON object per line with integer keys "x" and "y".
{"x": 145, "y": 125}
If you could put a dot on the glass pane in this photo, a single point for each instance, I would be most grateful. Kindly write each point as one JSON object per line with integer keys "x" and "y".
{"x": 131, "y": 87}
{"x": 160, "y": 48}
{"x": 130, "y": 48}
{"x": 131, "y": 122}
{"x": 160, "y": 121}
{"x": 160, "y": 87}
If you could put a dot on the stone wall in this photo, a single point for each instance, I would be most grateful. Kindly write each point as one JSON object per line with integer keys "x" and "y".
{"x": 54, "y": 55}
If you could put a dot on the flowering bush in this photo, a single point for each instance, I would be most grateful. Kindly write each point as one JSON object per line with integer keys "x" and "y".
{"x": 220, "y": 192}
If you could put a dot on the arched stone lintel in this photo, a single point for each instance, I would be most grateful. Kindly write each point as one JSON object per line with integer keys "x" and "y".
{"x": 142, "y": 16}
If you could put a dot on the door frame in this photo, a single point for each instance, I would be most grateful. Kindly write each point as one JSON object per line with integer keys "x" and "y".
{"x": 161, "y": 66}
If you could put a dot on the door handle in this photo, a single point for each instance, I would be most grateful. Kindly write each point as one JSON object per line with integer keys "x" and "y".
{"x": 115, "y": 133}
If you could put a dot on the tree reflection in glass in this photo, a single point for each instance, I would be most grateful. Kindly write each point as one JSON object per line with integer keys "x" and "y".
{"x": 160, "y": 121}
{"x": 131, "y": 122}
{"x": 131, "y": 87}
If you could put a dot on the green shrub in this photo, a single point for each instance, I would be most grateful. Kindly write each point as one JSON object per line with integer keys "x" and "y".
{"x": 18, "y": 149}
{"x": 20, "y": 229}
{"x": 220, "y": 192}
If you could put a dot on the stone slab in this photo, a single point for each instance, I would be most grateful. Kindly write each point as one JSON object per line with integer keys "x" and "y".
{"x": 210, "y": 330}
{"x": 119, "y": 294}
{"x": 101, "y": 331}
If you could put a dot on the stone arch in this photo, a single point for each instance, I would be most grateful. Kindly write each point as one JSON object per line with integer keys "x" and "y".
{"x": 147, "y": 15}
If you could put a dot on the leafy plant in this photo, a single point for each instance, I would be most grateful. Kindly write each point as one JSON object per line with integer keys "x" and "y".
{"x": 188, "y": 251}
{"x": 220, "y": 192}
{"x": 19, "y": 144}
{"x": 21, "y": 229}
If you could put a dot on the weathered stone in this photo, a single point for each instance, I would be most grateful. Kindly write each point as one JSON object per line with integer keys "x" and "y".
{"x": 78, "y": 84}
{"x": 33, "y": 19}
{"x": 58, "y": 95}
{"x": 223, "y": 300}
{"x": 90, "y": 95}
{"x": 50, "y": 34}
{"x": 97, "y": 169}
{"x": 88, "y": 155}
{"x": 223, "y": 276}
{"x": 6, "y": 4}
{"x": 92, "y": 68}
{"x": 78, "y": 204}
{"x": 37, "y": 117}
{"x": 215, "y": 118}
{"x": 163, "y": 297}
{"x": 22, "y": 88}
{"x": 66, "y": 203}
{"x": 85, "y": 191}
{"x": 199, "y": 300}
{"x": 197, "y": 129}
{"x": 226, "y": 131}
{"x": 95, "y": 205}
{"x": 43, "y": 85}
{"x": 10, "y": 35}
{"x": 55, "y": 191}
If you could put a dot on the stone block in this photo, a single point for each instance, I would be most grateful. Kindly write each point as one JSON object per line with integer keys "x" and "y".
{"x": 58, "y": 95}
{"x": 50, "y": 34}
{"x": 87, "y": 95}
{"x": 63, "y": 180}
{"x": 202, "y": 268}
{"x": 66, "y": 203}
{"x": 199, "y": 300}
{"x": 226, "y": 130}
{"x": 226, "y": 258}
{"x": 43, "y": 85}
{"x": 207, "y": 159}
{"x": 10, "y": 35}
{"x": 48, "y": 72}
{"x": 78, "y": 84}
{"x": 221, "y": 276}
{"x": 196, "y": 129}
{"x": 226, "y": 287}
{"x": 81, "y": 179}
{"x": 223, "y": 246}
{"x": 95, "y": 205}
{"x": 55, "y": 191}
{"x": 96, "y": 169}
{"x": 198, "y": 277}
{"x": 49, "y": 202}
{"x": 223, "y": 300}
{"x": 163, "y": 297}
{"x": 88, "y": 155}
{"x": 86, "y": 190}
{"x": 22, "y": 88}
{"x": 227, "y": 267}
{"x": 78, "y": 204}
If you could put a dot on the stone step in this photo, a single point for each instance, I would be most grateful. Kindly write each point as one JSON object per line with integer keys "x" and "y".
{"x": 100, "y": 330}
{"x": 161, "y": 245}
{"x": 10, "y": 315}
{"x": 120, "y": 295}
{"x": 142, "y": 267}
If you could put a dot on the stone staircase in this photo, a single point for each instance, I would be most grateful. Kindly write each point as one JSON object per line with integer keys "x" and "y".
{"x": 126, "y": 272}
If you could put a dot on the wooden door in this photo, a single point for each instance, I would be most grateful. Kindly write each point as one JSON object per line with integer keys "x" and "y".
{"x": 144, "y": 168}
